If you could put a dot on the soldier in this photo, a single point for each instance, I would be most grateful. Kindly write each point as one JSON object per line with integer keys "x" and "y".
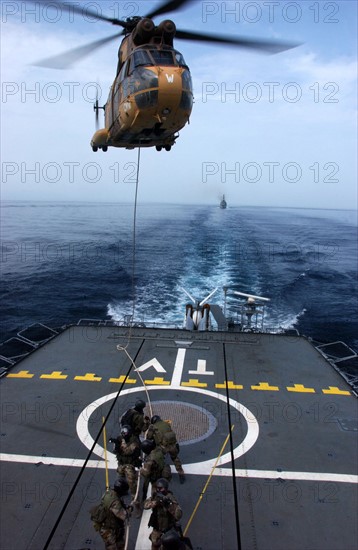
{"x": 154, "y": 466}
{"x": 108, "y": 518}
{"x": 165, "y": 512}
{"x": 135, "y": 418}
{"x": 127, "y": 450}
{"x": 163, "y": 435}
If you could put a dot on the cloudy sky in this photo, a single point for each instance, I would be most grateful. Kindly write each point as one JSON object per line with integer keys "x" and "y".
{"x": 266, "y": 130}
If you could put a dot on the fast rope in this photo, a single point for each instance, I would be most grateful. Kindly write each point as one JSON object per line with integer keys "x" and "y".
{"x": 236, "y": 505}
{"x": 134, "y": 295}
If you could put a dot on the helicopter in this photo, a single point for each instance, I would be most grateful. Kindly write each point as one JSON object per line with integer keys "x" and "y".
{"x": 151, "y": 98}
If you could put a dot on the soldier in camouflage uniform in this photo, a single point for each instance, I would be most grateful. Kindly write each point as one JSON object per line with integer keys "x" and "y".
{"x": 135, "y": 418}
{"x": 127, "y": 450}
{"x": 154, "y": 466}
{"x": 161, "y": 432}
{"x": 111, "y": 526}
{"x": 166, "y": 512}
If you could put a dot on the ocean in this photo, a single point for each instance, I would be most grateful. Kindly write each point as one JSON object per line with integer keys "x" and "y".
{"x": 62, "y": 262}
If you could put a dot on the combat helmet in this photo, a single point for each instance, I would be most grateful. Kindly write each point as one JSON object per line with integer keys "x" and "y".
{"x": 162, "y": 483}
{"x": 121, "y": 486}
{"x": 171, "y": 540}
{"x": 126, "y": 432}
{"x": 147, "y": 446}
{"x": 139, "y": 405}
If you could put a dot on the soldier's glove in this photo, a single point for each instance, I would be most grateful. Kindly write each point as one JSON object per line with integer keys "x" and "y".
{"x": 163, "y": 500}
{"x": 112, "y": 440}
{"x": 146, "y": 418}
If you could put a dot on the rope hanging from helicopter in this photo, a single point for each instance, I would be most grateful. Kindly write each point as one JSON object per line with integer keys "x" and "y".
{"x": 134, "y": 294}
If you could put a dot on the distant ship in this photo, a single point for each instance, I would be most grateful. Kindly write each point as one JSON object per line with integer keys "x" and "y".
{"x": 223, "y": 203}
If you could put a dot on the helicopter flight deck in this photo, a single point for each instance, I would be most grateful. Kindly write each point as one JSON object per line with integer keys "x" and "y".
{"x": 267, "y": 432}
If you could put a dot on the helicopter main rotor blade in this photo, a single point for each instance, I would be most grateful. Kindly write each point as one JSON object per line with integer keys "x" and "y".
{"x": 81, "y": 11}
{"x": 266, "y": 46}
{"x": 168, "y": 6}
{"x": 65, "y": 60}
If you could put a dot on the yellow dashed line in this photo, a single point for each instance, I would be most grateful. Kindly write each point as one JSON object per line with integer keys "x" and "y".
{"x": 333, "y": 390}
{"x": 264, "y": 386}
{"x": 56, "y": 375}
{"x": 300, "y": 388}
{"x": 157, "y": 381}
{"x": 194, "y": 383}
{"x": 122, "y": 379}
{"x": 21, "y": 374}
{"x": 229, "y": 385}
{"x": 89, "y": 377}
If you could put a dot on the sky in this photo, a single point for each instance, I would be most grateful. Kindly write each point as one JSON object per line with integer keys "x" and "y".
{"x": 265, "y": 130}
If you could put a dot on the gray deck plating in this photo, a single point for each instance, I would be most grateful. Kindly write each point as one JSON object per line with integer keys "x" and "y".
{"x": 294, "y": 437}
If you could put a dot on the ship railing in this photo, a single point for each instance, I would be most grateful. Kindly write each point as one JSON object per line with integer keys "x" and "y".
{"x": 25, "y": 342}
{"x": 37, "y": 334}
{"x": 343, "y": 359}
{"x": 127, "y": 322}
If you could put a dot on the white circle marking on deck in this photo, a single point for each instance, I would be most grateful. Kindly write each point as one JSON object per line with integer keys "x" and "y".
{"x": 203, "y": 467}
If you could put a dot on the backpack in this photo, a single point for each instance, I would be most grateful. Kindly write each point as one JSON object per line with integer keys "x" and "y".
{"x": 127, "y": 418}
{"x": 98, "y": 515}
{"x": 163, "y": 434}
{"x": 169, "y": 438}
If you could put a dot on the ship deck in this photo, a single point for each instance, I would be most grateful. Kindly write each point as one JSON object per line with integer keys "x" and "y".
{"x": 267, "y": 431}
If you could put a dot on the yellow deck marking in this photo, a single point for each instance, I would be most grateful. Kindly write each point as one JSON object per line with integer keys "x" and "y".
{"x": 56, "y": 375}
{"x": 122, "y": 379}
{"x": 333, "y": 390}
{"x": 300, "y": 388}
{"x": 89, "y": 377}
{"x": 21, "y": 374}
{"x": 229, "y": 385}
{"x": 264, "y": 386}
{"x": 194, "y": 383}
{"x": 157, "y": 381}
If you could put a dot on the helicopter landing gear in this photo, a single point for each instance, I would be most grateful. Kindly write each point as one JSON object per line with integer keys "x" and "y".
{"x": 96, "y": 147}
{"x": 166, "y": 147}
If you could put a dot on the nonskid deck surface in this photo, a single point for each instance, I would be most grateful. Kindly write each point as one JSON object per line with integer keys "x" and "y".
{"x": 292, "y": 418}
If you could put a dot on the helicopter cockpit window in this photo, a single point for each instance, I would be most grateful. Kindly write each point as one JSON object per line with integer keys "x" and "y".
{"x": 163, "y": 57}
{"x": 180, "y": 59}
{"x": 141, "y": 58}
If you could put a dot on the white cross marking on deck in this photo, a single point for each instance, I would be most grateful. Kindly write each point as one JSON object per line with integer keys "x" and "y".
{"x": 178, "y": 368}
{"x": 201, "y": 368}
{"x": 152, "y": 363}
